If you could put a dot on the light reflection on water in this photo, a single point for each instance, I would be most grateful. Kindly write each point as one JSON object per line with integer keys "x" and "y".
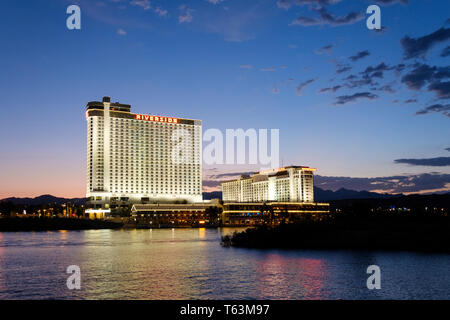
{"x": 191, "y": 264}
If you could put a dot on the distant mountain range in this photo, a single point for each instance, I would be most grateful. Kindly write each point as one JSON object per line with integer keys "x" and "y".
{"x": 320, "y": 195}
{"x": 44, "y": 199}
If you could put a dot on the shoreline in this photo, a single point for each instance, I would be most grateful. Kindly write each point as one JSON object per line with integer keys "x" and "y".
{"x": 54, "y": 224}
{"x": 386, "y": 234}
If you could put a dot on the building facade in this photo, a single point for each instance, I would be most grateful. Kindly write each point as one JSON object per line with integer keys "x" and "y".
{"x": 135, "y": 158}
{"x": 288, "y": 184}
{"x": 206, "y": 214}
{"x": 272, "y": 213}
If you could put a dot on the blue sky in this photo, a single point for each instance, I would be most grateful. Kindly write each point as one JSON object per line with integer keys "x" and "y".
{"x": 233, "y": 64}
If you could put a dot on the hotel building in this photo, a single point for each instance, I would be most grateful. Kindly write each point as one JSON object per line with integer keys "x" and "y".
{"x": 276, "y": 196}
{"x": 288, "y": 184}
{"x": 132, "y": 158}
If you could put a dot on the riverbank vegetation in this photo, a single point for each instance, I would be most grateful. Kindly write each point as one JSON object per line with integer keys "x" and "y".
{"x": 361, "y": 229}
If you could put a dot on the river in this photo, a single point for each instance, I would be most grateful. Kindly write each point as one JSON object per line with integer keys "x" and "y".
{"x": 191, "y": 264}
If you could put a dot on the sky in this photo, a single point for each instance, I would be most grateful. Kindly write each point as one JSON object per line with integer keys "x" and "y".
{"x": 368, "y": 108}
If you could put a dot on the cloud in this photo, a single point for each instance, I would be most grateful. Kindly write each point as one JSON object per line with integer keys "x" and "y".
{"x": 341, "y": 100}
{"x": 161, "y": 12}
{"x": 412, "y": 183}
{"x": 382, "y": 30}
{"x": 214, "y": 2}
{"x": 302, "y": 85}
{"x": 419, "y": 47}
{"x": 433, "y": 162}
{"x": 275, "y": 90}
{"x": 341, "y": 68}
{"x": 246, "y": 66}
{"x": 366, "y": 80}
{"x": 286, "y": 4}
{"x": 326, "y": 18}
{"x": 371, "y": 73}
{"x": 410, "y": 101}
{"x": 121, "y": 32}
{"x": 441, "y": 89}
{"x": 326, "y": 49}
{"x": 230, "y": 175}
{"x": 211, "y": 185}
{"x": 435, "y": 108}
{"x": 332, "y": 89}
{"x": 448, "y": 149}
{"x": 391, "y": 184}
{"x": 359, "y": 55}
{"x": 390, "y": 2}
{"x": 186, "y": 16}
{"x": 268, "y": 69}
{"x": 350, "y": 77}
{"x": 144, "y": 4}
{"x": 423, "y": 73}
{"x": 446, "y": 52}
{"x": 377, "y": 71}
{"x": 386, "y": 88}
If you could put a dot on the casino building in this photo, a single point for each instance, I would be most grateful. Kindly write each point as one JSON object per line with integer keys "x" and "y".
{"x": 275, "y": 196}
{"x": 288, "y": 184}
{"x": 140, "y": 159}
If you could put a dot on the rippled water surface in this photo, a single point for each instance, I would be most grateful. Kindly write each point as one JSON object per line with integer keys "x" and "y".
{"x": 191, "y": 264}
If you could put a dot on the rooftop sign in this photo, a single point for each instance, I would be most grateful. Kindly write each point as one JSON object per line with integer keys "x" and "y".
{"x": 156, "y": 118}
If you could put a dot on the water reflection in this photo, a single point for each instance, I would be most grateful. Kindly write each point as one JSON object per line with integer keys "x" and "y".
{"x": 191, "y": 264}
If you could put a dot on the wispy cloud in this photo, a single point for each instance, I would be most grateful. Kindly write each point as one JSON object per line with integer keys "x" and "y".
{"x": 359, "y": 55}
{"x": 121, "y": 32}
{"x": 246, "y": 66}
{"x": 215, "y": 1}
{"x": 331, "y": 89}
{"x": 411, "y": 183}
{"x": 286, "y": 4}
{"x": 341, "y": 100}
{"x": 431, "y": 162}
{"x": 326, "y": 18}
{"x": 302, "y": 85}
{"x": 186, "y": 15}
{"x": 436, "y": 108}
{"x": 341, "y": 68}
{"x": 390, "y": 2}
{"x": 445, "y": 52}
{"x": 144, "y": 4}
{"x": 161, "y": 12}
{"x": 325, "y": 49}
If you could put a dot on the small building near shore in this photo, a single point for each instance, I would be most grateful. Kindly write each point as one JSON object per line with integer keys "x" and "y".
{"x": 94, "y": 214}
{"x": 274, "y": 213}
{"x": 180, "y": 215}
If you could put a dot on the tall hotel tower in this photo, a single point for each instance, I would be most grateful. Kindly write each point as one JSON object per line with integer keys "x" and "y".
{"x": 130, "y": 158}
